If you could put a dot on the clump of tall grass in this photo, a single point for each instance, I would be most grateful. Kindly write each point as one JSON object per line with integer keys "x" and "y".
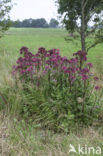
{"x": 18, "y": 138}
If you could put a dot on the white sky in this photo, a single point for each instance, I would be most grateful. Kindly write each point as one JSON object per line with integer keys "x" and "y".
{"x": 25, "y": 9}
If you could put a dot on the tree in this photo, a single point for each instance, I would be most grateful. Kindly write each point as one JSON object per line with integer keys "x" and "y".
{"x": 77, "y": 16}
{"x": 17, "y": 24}
{"x": 5, "y": 7}
{"x": 39, "y": 23}
{"x": 33, "y": 23}
{"x": 25, "y": 23}
{"x": 53, "y": 23}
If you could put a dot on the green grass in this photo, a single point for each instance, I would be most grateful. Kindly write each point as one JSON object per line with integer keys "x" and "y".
{"x": 21, "y": 139}
{"x": 34, "y": 38}
{"x": 15, "y": 38}
{"x": 18, "y": 138}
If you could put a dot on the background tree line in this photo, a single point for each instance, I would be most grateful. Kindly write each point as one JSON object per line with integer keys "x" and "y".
{"x": 35, "y": 23}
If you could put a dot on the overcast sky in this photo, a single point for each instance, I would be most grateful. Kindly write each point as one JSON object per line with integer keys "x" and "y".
{"x": 25, "y": 9}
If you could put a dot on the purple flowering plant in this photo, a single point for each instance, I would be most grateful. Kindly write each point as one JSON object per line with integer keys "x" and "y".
{"x": 71, "y": 79}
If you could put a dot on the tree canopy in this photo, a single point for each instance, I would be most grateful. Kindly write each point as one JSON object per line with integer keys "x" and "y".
{"x": 36, "y": 23}
{"x": 78, "y": 15}
{"x": 53, "y": 23}
{"x": 5, "y": 7}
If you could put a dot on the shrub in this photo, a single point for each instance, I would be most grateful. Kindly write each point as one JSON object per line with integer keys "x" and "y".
{"x": 61, "y": 91}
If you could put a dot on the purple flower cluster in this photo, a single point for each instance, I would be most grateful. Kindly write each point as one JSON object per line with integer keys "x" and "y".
{"x": 81, "y": 55}
{"x": 27, "y": 64}
{"x": 97, "y": 87}
{"x": 44, "y": 61}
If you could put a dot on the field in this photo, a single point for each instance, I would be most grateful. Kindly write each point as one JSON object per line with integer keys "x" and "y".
{"x": 14, "y": 39}
{"x": 20, "y": 139}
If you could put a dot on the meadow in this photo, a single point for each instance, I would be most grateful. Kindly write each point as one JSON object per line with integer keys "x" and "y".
{"x": 15, "y": 38}
{"x": 18, "y": 138}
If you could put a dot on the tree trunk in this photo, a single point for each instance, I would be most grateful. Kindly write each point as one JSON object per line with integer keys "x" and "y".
{"x": 83, "y": 46}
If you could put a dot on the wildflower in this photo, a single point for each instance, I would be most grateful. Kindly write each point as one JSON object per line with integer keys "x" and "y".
{"x": 47, "y": 55}
{"x": 47, "y": 67}
{"x": 42, "y": 50}
{"x": 96, "y": 78}
{"x": 72, "y": 78}
{"x": 23, "y": 49}
{"x": 65, "y": 69}
{"x": 58, "y": 52}
{"x": 97, "y": 87}
{"x": 30, "y": 69}
{"x": 50, "y": 52}
{"x": 84, "y": 77}
{"x": 73, "y": 69}
{"x": 73, "y": 60}
{"x": 56, "y": 65}
{"x": 23, "y": 72}
{"x": 85, "y": 70}
{"x": 89, "y": 64}
{"x": 20, "y": 59}
{"x": 37, "y": 55}
{"x": 84, "y": 58}
{"x": 64, "y": 58}
{"x": 48, "y": 62}
{"x": 81, "y": 55}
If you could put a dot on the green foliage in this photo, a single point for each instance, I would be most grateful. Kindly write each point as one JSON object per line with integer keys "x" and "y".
{"x": 5, "y": 7}
{"x": 35, "y": 141}
{"x": 20, "y": 102}
{"x": 53, "y": 23}
{"x": 35, "y": 23}
{"x": 58, "y": 111}
{"x": 77, "y": 16}
{"x": 59, "y": 101}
